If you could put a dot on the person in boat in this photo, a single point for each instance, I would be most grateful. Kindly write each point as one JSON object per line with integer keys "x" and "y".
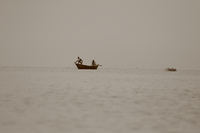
{"x": 93, "y": 63}
{"x": 79, "y": 61}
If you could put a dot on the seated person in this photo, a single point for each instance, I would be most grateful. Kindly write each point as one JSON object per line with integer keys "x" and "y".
{"x": 93, "y": 63}
{"x": 80, "y": 61}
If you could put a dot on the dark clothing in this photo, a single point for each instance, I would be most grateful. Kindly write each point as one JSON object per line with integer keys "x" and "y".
{"x": 93, "y": 63}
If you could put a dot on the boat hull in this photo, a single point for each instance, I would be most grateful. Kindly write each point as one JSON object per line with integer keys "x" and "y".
{"x": 79, "y": 66}
{"x": 170, "y": 69}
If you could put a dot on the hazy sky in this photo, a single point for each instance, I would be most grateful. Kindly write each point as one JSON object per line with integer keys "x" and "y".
{"x": 115, "y": 33}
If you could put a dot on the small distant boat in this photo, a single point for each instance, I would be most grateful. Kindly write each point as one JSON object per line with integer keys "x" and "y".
{"x": 170, "y": 69}
{"x": 79, "y": 66}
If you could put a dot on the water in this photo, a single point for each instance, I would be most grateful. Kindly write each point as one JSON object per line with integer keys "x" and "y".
{"x": 49, "y": 100}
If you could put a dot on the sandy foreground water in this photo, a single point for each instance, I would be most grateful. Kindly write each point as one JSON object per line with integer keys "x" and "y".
{"x": 68, "y": 100}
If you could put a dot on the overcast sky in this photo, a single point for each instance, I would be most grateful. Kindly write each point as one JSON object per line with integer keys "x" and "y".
{"x": 150, "y": 34}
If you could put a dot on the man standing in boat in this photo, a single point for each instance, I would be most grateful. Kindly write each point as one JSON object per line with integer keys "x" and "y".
{"x": 80, "y": 61}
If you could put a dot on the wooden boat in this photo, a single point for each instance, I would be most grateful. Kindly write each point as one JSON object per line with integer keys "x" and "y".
{"x": 170, "y": 69}
{"x": 79, "y": 66}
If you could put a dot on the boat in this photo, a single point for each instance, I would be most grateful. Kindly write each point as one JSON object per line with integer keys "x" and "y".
{"x": 170, "y": 69}
{"x": 80, "y": 66}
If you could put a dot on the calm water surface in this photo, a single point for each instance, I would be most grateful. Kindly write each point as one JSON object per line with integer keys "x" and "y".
{"x": 98, "y": 101}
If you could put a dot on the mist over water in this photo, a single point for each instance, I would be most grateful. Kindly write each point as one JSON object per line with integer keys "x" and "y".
{"x": 149, "y": 34}
{"x": 48, "y": 100}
